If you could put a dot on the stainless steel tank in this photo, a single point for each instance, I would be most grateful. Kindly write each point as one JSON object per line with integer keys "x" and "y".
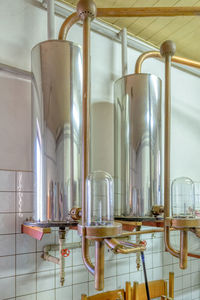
{"x": 56, "y": 130}
{"x": 137, "y": 128}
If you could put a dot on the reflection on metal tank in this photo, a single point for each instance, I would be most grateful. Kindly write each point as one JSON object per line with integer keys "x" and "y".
{"x": 137, "y": 144}
{"x": 56, "y": 129}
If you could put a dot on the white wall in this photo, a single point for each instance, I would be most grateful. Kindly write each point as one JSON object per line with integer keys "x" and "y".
{"x": 22, "y": 26}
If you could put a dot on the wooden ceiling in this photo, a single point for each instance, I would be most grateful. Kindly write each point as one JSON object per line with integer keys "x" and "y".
{"x": 184, "y": 31}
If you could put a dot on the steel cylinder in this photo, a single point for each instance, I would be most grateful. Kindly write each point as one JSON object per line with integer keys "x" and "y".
{"x": 137, "y": 122}
{"x": 56, "y": 130}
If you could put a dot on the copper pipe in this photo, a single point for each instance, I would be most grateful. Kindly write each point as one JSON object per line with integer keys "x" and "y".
{"x": 124, "y": 234}
{"x": 194, "y": 255}
{"x": 99, "y": 266}
{"x": 183, "y": 249}
{"x": 168, "y": 246}
{"x": 156, "y": 54}
{"x": 122, "y": 247}
{"x": 67, "y": 24}
{"x": 62, "y": 258}
{"x": 86, "y": 257}
{"x": 186, "y": 61}
{"x": 142, "y": 57}
{"x": 150, "y": 12}
{"x": 167, "y": 56}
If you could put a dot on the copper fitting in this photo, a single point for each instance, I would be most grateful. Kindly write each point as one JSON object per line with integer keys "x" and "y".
{"x": 86, "y": 9}
{"x": 75, "y": 213}
{"x": 121, "y": 247}
{"x": 157, "y": 210}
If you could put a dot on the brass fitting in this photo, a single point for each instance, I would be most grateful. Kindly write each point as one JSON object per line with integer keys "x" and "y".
{"x": 168, "y": 48}
{"x": 157, "y": 210}
{"x": 86, "y": 9}
{"x": 75, "y": 213}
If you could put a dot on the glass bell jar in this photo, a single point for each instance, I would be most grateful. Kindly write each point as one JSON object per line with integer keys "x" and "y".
{"x": 100, "y": 199}
{"x": 183, "y": 199}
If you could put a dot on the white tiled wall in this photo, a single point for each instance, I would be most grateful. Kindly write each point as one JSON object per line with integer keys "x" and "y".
{"x": 24, "y": 275}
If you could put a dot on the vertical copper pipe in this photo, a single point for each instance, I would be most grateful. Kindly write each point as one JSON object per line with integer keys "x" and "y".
{"x": 167, "y": 50}
{"x": 85, "y": 138}
{"x": 171, "y": 285}
{"x": 99, "y": 266}
{"x": 183, "y": 249}
{"x": 85, "y": 119}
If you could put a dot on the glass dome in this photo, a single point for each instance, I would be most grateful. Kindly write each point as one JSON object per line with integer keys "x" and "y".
{"x": 100, "y": 199}
{"x": 183, "y": 200}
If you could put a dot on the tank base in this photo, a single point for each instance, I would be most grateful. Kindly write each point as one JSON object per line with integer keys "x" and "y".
{"x": 51, "y": 224}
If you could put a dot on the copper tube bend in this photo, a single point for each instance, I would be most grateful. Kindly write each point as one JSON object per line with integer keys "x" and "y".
{"x": 67, "y": 24}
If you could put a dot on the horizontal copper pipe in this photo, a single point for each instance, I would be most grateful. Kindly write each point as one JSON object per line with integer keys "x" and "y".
{"x": 142, "y": 232}
{"x": 67, "y": 24}
{"x": 156, "y": 54}
{"x": 148, "y": 11}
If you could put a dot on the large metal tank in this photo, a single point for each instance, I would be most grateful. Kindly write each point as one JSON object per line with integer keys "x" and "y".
{"x": 137, "y": 144}
{"x": 56, "y": 130}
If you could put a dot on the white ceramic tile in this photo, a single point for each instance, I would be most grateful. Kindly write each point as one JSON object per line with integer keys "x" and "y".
{"x": 178, "y": 283}
{"x": 195, "y": 266}
{"x": 20, "y": 218}
{"x": 195, "y": 292}
{"x": 178, "y": 295}
{"x": 177, "y": 271}
{"x": 43, "y": 265}
{"x": 133, "y": 265}
{"x": 7, "y": 202}
{"x": 123, "y": 266}
{"x": 121, "y": 281}
{"x": 157, "y": 245}
{"x": 167, "y": 258}
{"x": 136, "y": 276}
{"x": 7, "y": 266}
{"x": 24, "y": 182}
{"x": 7, "y": 223}
{"x": 149, "y": 246}
{"x": 68, "y": 277}
{"x": 75, "y": 236}
{"x": 7, "y": 288}
{"x": 25, "y": 243}
{"x": 195, "y": 278}
{"x": 7, "y": 181}
{"x": 64, "y": 293}
{"x": 110, "y": 284}
{"x": 79, "y": 289}
{"x": 109, "y": 255}
{"x": 186, "y": 281}
{"x": 48, "y": 295}
{"x": 24, "y": 202}
{"x": 25, "y": 284}
{"x": 148, "y": 260}
{"x": 45, "y": 281}
{"x": 157, "y": 259}
{"x": 46, "y": 240}
{"x": 80, "y": 274}
{"x": 7, "y": 244}
{"x": 77, "y": 257}
{"x": 110, "y": 268}
{"x": 157, "y": 273}
{"x": 28, "y": 297}
{"x": 187, "y": 293}
{"x": 166, "y": 270}
{"x": 25, "y": 263}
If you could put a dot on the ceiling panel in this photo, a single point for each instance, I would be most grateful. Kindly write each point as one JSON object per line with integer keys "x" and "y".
{"x": 184, "y": 31}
